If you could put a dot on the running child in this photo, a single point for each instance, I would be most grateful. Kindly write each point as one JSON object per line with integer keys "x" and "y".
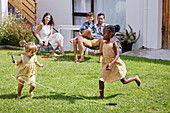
{"x": 113, "y": 68}
{"x": 26, "y": 71}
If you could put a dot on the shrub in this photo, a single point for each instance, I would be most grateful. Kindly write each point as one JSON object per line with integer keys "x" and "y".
{"x": 13, "y": 30}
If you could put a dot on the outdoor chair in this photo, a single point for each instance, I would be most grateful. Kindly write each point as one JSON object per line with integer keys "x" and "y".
{"x": 97, "y": 47}
{"x": 41, "y": 48}
{"x": 91, "y": 47}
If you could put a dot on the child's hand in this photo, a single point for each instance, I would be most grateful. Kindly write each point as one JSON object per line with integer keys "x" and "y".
{"x": 108, "y": 66}
{"x": 41, "y": 65}
{"x": 93, "y": 53}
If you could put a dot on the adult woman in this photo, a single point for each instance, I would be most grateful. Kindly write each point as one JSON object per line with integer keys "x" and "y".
{"x": 45, "y": 29}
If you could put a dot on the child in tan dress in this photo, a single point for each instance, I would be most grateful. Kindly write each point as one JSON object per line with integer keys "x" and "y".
{"x": 113, "y": 68}
{"x": 26, "y": 71}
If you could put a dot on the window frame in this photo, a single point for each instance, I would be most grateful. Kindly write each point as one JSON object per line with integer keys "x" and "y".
{"x": 74, "y": 14}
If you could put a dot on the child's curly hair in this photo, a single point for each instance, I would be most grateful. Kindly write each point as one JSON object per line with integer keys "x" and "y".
{"x": 113, "y": 29}
{"x": 29, "y": 46}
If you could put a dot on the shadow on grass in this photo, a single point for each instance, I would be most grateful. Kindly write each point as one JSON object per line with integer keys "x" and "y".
{"x": 68, "y": 58}
{"x": 72, "y": 98}
{"x": 142, "y": 59}
{"x": 8, "y": 96}
{"x": 11, "y": 96}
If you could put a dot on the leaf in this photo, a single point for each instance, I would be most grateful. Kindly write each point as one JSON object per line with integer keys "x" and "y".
{"x": 131, "y": 30}
{"x": 137, "y": 37}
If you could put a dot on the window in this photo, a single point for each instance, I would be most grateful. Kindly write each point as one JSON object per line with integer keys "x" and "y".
{"x": 80, "y": 9}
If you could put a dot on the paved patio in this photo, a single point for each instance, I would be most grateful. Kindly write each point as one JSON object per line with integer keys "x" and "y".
{"x": 163, "y": 54}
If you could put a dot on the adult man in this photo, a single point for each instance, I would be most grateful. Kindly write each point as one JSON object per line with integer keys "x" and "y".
{"x": 96, "y": 41}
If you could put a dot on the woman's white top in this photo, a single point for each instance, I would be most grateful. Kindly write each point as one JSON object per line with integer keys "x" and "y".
{"x": 44, "y": 32}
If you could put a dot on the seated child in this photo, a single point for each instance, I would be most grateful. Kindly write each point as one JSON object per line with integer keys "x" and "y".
{"x": 87, "y": 30}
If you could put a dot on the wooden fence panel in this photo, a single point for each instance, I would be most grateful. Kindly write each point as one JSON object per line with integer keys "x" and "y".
{"x": 26, "y": 8}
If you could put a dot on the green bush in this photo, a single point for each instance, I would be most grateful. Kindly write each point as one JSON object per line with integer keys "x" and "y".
{"x": 13, "y": 30}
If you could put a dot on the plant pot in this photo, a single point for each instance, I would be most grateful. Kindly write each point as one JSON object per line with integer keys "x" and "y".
{"x": 126, "y": 46}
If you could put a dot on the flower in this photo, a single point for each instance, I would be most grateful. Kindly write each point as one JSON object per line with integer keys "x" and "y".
{"x": 128, "y": 37}
{"x": 13, "y": 30}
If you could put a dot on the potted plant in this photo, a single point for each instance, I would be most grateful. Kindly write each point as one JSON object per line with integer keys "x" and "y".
{"x": 127, "y": 39}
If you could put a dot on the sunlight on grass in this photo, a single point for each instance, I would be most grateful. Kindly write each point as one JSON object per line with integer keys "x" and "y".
{"x": 65, "y": 86}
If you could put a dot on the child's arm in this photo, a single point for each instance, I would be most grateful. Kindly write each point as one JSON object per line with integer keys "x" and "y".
{"x": 96, "y": 54}
{"x": 94, "y": 34}
{"x": 38, "y": 64}
{"x": 116, "y": 50}
{"x": 19, "y": 61}
{"x": 79, "y": 33}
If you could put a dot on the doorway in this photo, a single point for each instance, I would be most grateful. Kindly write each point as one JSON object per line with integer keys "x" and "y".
{"x": 166, "y": 24}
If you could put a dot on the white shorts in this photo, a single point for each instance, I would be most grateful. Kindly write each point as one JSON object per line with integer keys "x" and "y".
{"x": 33, "y": 79}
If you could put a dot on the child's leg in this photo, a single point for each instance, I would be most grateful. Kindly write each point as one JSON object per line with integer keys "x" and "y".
{"x": 86, "y": 33}
{"x": 20, "y": 86}
{"x": 101, "y": 89}
{"x": 32, "y": 87}
{"x": 71, "y": 40}
{"x": 129, "y": 79}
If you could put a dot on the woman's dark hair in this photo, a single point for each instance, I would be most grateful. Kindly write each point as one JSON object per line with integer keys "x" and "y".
{"x": 113, "y": 29}
{"x": 51, "y": 22}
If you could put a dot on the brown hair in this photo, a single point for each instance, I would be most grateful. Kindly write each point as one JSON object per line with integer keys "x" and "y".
{"x": 100, "y": 14}
{"x": 28, "y": 46}
{"x": 91, "y": 14}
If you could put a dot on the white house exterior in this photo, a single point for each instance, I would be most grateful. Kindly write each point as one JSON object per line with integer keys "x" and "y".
{"x": 144, "y": 15}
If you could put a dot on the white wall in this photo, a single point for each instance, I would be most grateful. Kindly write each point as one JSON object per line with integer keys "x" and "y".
{"x": 114, "y": 10}
{"x": 3, "y": 9}
{"x": 145, "y": 15}
{"x": 61, "y": 11}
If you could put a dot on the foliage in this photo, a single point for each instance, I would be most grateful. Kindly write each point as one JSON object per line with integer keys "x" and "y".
{"x": 63, "y": 86}
{"x": 129, "y": 36}
{"x": 13, "y": 30}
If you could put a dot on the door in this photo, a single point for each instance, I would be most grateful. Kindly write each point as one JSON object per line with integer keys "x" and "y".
{"x": 166, "y": 24}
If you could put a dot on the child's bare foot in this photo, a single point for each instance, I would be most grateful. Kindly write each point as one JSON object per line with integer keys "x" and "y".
{"x": 138, "y": 81}
{"x": 18, "y": 97}
{"x": 81, "y": 60}
{"x": 54, "y": 54}
{"x": 63, "y": 53}
{"x": 76, "y": 61}
{"x": 100, "y": 97}
{"x": 71, "y": 40}
{"x": 31, "y": 94}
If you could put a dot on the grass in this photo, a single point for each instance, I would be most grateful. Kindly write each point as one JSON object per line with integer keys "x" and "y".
{"x": 65, "y": 86}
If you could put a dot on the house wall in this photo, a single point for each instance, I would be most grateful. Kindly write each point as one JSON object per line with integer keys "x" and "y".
{"x": 145, "y": 15}
{"x": 3, "y": 9}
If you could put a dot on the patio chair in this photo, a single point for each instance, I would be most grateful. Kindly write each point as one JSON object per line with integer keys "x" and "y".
{"x": 41, "y": 48}
{"x": 91, "y": 47}
{"x": 97, "y": 47}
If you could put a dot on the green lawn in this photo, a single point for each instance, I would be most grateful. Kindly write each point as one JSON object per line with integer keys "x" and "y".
{"x": 65, "y": 86}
